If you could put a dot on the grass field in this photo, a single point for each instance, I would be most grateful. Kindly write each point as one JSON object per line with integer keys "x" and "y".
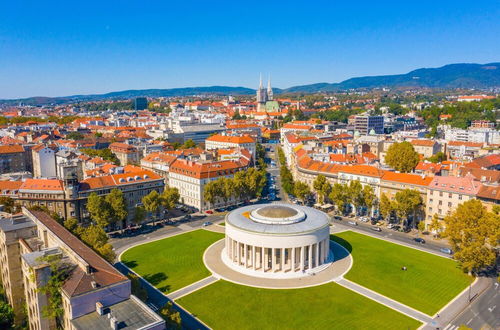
{"x": 427, "y": 285}
{"x": 225, "y": 305}
{"x": 174, "y": 262}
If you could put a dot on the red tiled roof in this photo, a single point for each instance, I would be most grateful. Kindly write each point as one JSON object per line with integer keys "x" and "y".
{"x": 231, "y": 139}
{"x": 11, "y": 149}
{"x": 407, "y": 178}
{"x": 43, "y": 184}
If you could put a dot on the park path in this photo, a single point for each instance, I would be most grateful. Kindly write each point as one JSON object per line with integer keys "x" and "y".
{"x": 385, "y": 301}
{"x": 192, "y": 287}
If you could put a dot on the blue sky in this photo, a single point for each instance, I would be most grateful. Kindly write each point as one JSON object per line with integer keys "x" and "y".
{"x": 56, "y": 48}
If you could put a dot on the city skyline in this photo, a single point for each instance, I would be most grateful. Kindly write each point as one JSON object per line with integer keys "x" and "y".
{"x": 50, "y": 50}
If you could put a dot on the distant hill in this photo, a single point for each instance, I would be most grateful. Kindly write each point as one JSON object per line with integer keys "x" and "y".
{"x": 446, "y": 77}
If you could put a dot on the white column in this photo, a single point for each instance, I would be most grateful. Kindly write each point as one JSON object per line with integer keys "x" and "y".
{"x": 317, "y": 255}
{"x": 239, "y": 254}
{"x": 253, "y": 258}
{"x": 263, "y": 258}
{"x": 292, "y": 263}
{"x": 310, "y": 256}
{"x": 327, "y": 251}
{"x": 283, "y": 260}
{"x": 245, "y": 255}
{"x": 302, "y": 254}
{"x": 273, "y": 259}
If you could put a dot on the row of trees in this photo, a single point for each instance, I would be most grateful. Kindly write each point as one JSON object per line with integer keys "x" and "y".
{"x": 244, "y": 185}
{"x": 353, "y": 194}
{"x": 287, "y": 181}
{"x": 406, "y": 206}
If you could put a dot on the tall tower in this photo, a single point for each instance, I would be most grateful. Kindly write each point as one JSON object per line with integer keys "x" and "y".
{"x": 269, "y": 89}
{"x": 262, "y": 96}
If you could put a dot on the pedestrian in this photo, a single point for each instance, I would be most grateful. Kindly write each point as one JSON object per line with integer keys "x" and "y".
{"x": 437, "y": 314}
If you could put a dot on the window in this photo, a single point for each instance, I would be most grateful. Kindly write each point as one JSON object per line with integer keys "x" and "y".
{"x": 440, "y": 202}
{"x": 450, "y": 195}
{"x": 440, "y": 194}
{"x": 450, "y": 204}
{"x": 460, "y": 197}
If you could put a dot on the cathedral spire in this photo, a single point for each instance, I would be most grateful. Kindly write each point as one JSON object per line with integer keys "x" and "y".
{"x": 260, "y": 85}
{"x": 269, "y": 89}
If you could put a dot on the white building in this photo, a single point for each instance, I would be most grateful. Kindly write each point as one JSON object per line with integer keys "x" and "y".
{"x": 478, "y": 135}
{"x": 219, "y": 141}
{"x": 277, "y": 241}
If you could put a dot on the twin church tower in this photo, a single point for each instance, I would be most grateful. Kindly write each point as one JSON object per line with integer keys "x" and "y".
{"x": 264, "y": 95}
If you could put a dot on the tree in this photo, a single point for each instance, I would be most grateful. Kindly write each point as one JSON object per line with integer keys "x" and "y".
{"x": 6, "y": 312}
{"x": 71, "y": 224}
{"x": 95, "y": 237}
{"x": 75, "y": 136}
{"x": 170, "y": 197}
{"x": 339, "y": 196}
{"x": 354, "y": 191}
{"x": 322, "y": 187}
{"x": 402, "y": 157}
{"x": 118, "y": 205}
{"x": 152, "y": 202}
{"x": 301, "y": 190}
{"x": 139, "y": 215}
{"x": 473, "y": 233}
{"x": 100, "y": 210}
{"x": 211, "y": 192}
{"x": 369, "y": 198}
{"x": 188, "y": 144}
{"x": 9, "y": 205}
{"x": 408, "y": 202}
{"x": 437, "y": 158}
{"x": 421, "y": 226}
{"x": 172, "y": 317}
{"x": 136, "y": 287}
{"x": 386, "y": 207}
{"x": 435, "y": 225}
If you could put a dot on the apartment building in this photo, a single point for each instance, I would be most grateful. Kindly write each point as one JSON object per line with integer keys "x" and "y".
{"x": 12, "y": 159}
{"x": 126, "y": 153}
{"x": 191, "y": 176}
{"x": 446, "y": 192}
{"x": 365, "y": 124}
{"x": 426, "y": 147}
{"x": 94, "y": 295}
{"x": 219, "y": 141}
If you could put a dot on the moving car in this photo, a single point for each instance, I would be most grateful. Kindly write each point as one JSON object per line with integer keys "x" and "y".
{"x": 419, "y": 240}
{"x": 354, "y": 223}
{"x": 376, "y": 229}
{"x": 446, "y": 250}
{"x": 209, "y": 212}
{"x": 208, "y": 223}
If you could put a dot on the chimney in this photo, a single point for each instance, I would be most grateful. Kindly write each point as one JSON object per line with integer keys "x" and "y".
{"x": 113, "y": 322}
{"x": 99, "y": 308}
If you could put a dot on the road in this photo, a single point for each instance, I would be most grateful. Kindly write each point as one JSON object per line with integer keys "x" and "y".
{"x": 483, "y": 312}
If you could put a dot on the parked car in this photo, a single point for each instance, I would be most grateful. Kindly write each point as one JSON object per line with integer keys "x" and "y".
{"x": 337, "y": 217}
{"x": 209, "y": 212}
{"x": 390, "y": 226}
{"x": 208, "y": 223}
{"x": 376, "y": 229}
{"x": 354, "y": 223}
{"x": 397, "y": 228}
{"x": 419, "y": 240}
{"x": 364, "y": 219}
{"x": 446, "y": 250}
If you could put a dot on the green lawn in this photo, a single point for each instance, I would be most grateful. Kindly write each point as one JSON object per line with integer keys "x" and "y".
{"x": 174, "y": 262}
{"x": 427, "y": 285}
{"x": 225, "y": 305}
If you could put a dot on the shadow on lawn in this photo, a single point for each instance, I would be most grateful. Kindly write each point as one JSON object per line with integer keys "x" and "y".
{"x": 339, "y": 252}
{"x": 155, "y": 279}
{"x": 130, "y": 263}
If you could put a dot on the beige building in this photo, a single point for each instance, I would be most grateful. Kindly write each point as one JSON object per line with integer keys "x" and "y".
{"x": 425, "y": 147}
{"x": 94, "y": 294}
{"x": 126, "y": 153}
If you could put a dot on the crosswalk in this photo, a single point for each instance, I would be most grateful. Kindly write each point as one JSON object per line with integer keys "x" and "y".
{"x": 451, "y": 327}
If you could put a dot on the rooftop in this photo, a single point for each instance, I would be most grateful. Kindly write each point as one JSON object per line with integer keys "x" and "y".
{"x": 129, "y": 314}
{"x": 277, "y": 219}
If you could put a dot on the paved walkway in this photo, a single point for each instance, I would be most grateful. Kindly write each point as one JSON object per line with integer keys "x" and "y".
{"x": 215, "y": 228}
{"x": 192, "y": 287}
{"x": 213, "y": 261}
{"x": 385, "y": 301}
